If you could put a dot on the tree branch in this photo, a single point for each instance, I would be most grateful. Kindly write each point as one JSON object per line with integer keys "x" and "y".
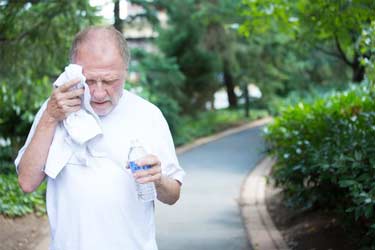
{"x": 328, "y": 52}
{"x": 342, "y": 53}
{"x": 4, "y": 40}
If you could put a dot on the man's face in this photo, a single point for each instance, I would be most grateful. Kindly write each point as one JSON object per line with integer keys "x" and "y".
{"x": 105, "y": 73}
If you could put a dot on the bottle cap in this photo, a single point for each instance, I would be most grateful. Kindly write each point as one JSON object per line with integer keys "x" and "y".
{"x": 135, "y": 143}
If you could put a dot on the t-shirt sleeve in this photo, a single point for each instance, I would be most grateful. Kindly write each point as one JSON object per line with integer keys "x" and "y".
{"x": 30, "y": 135}
{"x": 166, "y": 150}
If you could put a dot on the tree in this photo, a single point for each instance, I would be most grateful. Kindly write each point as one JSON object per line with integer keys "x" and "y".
{"x": 161, "y": 81}
{"x": 35, "y": 37}
{"x": 183, "y": 40}
{"x": 118, "y": 21}
{"x": 149, "y": 13}
{"x": 220, "y": 38}
{"x": 333, "y": 27}
{"x": 367, "y": 45}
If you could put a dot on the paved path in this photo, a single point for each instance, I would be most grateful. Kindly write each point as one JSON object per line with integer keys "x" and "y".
{"x": 207, "y": 217}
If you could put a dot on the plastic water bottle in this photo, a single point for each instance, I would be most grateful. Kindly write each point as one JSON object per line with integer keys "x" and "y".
{"x": 146, "y": 192}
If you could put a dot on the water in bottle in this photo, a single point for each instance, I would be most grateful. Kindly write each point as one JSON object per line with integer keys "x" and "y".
{"x": 146, "y": 192}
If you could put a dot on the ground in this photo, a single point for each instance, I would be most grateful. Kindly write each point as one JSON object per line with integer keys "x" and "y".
{"x": 22, "y": 233}
{"x": 311, "y": 230}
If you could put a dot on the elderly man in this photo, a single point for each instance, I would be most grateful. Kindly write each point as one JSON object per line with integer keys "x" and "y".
{"x": 95, "y": 206}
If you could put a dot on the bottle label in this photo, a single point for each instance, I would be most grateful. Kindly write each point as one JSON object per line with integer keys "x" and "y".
{"x": 135, "y": 168}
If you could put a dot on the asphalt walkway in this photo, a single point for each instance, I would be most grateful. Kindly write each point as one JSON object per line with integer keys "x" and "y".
{"x": 207, "y": 217}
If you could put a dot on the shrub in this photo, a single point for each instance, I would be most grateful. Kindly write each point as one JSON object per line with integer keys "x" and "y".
{"x": 277, "y": 104}
{"x": 13, "y": 202}
{"x": 326, "y": 154}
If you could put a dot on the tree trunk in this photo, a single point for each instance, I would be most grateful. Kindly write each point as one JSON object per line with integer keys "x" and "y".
{"x": 228, "y": 81}
{"x": 212, "y": 102}
{"x": 358, "y": 69}
{"x": 247, "y": 101}
{"x": 116, "y": 11}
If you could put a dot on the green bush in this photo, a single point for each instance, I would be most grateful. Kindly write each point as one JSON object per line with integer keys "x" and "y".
{"x": 326, "y": 154}
{"x": 13, "y": 202}
{"x": 277, "y": 104}
{"x": 18, "y": 108}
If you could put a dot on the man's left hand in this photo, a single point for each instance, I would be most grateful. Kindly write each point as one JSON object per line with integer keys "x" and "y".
{"x": 151, "y": 175}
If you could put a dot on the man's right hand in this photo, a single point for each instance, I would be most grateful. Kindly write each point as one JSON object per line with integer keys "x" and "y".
{"x": 64, "y": 101}
{"x": 61, "y": 103}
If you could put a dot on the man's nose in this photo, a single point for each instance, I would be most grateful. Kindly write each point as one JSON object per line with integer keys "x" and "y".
{"x": 99, "y": 92}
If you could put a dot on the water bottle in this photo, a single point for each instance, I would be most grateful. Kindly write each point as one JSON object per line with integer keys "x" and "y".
{"x": 145, "y": 192}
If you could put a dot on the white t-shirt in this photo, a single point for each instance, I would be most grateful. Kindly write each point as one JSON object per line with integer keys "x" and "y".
{"x": 95, "y": 207}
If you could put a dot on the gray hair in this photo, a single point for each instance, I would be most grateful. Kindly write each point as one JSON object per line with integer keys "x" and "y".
{"x": 119, "y": 38}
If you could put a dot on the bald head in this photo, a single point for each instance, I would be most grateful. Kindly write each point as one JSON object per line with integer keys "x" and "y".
{"x": 105, "y": 36}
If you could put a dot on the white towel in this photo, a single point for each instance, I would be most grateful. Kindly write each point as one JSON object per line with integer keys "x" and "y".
{"x": 73, "y": 134}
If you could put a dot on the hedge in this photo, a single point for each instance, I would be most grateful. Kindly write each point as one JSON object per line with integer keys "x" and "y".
{"x": 326, "y": 155}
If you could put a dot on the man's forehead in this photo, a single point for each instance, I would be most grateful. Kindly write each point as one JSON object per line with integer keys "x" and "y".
{"x": 101, "y": 74}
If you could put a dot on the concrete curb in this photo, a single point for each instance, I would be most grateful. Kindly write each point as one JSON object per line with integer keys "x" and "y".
{"x": 261, "y": 230}
{"x": 207, "y": 139}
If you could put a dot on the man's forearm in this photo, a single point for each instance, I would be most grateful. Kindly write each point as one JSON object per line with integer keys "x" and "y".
{"x": 168, "y": 190}
{"x": 30, "y": 169}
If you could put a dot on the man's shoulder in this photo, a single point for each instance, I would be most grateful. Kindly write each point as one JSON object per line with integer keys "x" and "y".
{"x": 140, "y": 103}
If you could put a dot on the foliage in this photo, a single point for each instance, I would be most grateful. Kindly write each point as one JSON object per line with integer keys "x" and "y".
{"x": 182, "y": 39}
{"x": 278, "y": 104}
{"x": 325, "y": 157}
{"x": 34, "y": 37}
{"x": 13, "y": 202}
{"x": 278, "y": 66}
{"x": 6, "y": 158}
{"x": 277, "y": 57}
{"x": 221, "y": 38}
{"x": 161, "y": 82}
{"x": 332, "y": 27}
{"x": 17, "y": 115}
{"x": 367, "y": 45}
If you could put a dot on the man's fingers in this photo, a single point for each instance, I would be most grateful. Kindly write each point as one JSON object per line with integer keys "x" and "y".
{"x": 74, "y": 93}
{"x": 66, "y": 86}
{"x": 70, "y": 110}
{"x": 73, "y": 102}
{"x": 64, "y": 101}
{"x": 149, "y": 178}
{"x": 152, "y": 171}
{"x": 148, "y": 160}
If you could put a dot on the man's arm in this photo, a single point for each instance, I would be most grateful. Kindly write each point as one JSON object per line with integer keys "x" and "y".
{"x": 61, "y": 103}
{"x": 167, "y": 189}
{"x": 30, "y": 169}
